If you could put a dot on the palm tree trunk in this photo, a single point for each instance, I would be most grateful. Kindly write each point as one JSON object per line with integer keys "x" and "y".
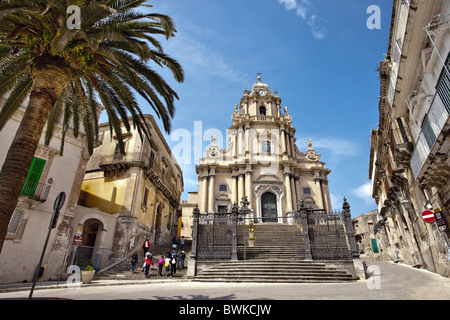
{"x": 48, "y": 83}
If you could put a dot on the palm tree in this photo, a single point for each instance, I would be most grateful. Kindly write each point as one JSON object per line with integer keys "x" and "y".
{"x": 67, "y": 71}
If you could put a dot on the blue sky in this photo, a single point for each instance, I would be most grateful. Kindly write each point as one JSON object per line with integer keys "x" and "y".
{"x": 320, "y": 56}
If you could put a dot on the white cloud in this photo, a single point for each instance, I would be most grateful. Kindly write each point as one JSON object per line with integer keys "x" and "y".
{"x": 302, "y": 7}
{"x": 336, "y": 201}
{"x": 335, "y": 148}
{"x": 364, "y": 192}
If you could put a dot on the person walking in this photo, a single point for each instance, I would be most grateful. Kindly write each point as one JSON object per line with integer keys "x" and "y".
{"x": 173, "y": 265}
{"x": 182, "y": 243}
{"x": 174, "y": 242}
{"x": 160, "y": 266}
{"x": 146, "y": 246}
{"x": 134, "y": 260}
{"x": 167, "y": 265}
{"x": 179, "y": 259}
{"x": 147, "y": 261}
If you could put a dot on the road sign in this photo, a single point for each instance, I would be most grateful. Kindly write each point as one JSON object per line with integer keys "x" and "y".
{"x": 428, "y": 216}
{"x": 440, "y": 221}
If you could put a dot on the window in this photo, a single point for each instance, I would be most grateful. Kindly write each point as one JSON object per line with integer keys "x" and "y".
{"x": 428, "y": 132}
{"x": 306, "y": 190}
{"x": 402, "y": 129}
{"x": 152, "y": 159}
{"x": 223, "y": 187}
{"x": 370, "y": 225}
{"x": 145, "y": 199}
{"x": 262, "y": 111}
{"x": 265, "y": 146}
{"x": 31, "y": 184}
{"x": 117, "y": 154}
{"x": 14, "y": 223}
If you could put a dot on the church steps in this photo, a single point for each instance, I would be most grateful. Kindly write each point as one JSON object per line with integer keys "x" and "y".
{"x": 272, "y": 259}
{"x": 286, "y": 271}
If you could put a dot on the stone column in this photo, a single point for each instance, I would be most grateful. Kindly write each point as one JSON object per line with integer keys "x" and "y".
{"x": 240, "y": 186}
{"x": 297, "y": 189}
{"x": 287, "y": 143}
{"x": 248, "y": 184}
{"x": 319, "y": 200}
{"x": 234, "y": 189}
{"x": 282, "y": 141}
{"x": 240, "y": 145}
{"x": 235, "y": 141}
{"x": 326, "y": 196}
{"x": 212, "y": 173}
{"x": 287, "y": 184}
{"x": 204, "y": 199}
{"x": 294, "y": 195}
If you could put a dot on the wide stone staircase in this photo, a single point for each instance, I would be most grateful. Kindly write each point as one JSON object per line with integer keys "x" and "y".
{"x": 272, "y": 259}
{"x": 273, "y": 241}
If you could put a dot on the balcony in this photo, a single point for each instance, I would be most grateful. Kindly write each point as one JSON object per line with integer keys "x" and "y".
{"x": 36, "y": 191}
{"x": 432, "y": 125}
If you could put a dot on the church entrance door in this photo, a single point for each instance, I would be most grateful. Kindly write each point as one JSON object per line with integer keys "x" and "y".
{"x": 269, "y": 207}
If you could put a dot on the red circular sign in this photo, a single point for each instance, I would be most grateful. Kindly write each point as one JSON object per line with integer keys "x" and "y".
{"x": 428, "y": 216}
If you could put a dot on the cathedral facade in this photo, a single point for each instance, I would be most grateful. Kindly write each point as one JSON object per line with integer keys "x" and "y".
{"x": 262, "y": 163}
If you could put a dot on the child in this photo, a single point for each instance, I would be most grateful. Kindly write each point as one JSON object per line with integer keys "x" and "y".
{"x": 167, "y": 265}
{"x": 134, "y": 260}
{"x": 160, "y": 266}
{"x": 147, "y": 261}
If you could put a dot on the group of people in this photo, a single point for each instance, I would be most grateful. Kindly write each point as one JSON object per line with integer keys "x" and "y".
{"x": 169, "y": 263}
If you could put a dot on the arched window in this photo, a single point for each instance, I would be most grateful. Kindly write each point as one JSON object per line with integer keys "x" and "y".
{"x": 262, "y": 111}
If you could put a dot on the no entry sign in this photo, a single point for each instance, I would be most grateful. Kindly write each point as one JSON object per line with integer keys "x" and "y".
{"x": 428, "y": 216}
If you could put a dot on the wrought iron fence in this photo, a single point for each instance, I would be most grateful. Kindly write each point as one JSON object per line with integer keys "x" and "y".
{"x": 318, "y": 235}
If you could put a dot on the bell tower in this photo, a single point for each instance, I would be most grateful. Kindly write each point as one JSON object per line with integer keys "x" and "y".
{"x": 260, "y": 101}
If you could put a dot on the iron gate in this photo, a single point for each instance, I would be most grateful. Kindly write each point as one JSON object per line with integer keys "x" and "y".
{"x": 327, "y": 236}
{"x": 221, "y": 236}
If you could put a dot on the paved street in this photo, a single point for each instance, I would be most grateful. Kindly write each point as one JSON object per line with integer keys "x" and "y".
{"x": 389, "y": 282}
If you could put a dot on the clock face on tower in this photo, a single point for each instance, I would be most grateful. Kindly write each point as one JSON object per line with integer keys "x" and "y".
{"x": 262, "y": 92}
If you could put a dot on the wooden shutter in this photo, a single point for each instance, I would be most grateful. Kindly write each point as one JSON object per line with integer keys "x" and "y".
{"x": 37, "y": 166}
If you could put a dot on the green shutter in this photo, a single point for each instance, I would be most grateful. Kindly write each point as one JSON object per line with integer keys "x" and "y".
{"x": 374, "y": 245}
{"x": 37, "y": 166}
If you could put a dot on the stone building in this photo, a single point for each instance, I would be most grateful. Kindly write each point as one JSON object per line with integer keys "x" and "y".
{"x": 409, "y": 157}
{"x": 366, "y": 227}
{"x": 50, "y": 174}
{"x": 187, "y": 220}
{"x": 126, "y": 199}
{"x": 262, "y": 162}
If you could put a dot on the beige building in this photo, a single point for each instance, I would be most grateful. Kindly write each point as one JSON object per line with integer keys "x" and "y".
{"x": 126, "y": 199}
{"x": 262, "y": 162}
{"x": 366, "y": 227}
{"x": 50, "y": 174}
{"x": 409, "y": 157}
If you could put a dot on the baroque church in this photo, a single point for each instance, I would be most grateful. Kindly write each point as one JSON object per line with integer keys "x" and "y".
{"x": 262, "y": 163}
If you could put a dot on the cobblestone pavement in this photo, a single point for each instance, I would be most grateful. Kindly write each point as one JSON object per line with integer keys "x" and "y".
{"x": 388, "y": 281}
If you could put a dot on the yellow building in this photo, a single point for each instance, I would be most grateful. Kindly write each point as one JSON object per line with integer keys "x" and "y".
{"x": 126, "y": 199}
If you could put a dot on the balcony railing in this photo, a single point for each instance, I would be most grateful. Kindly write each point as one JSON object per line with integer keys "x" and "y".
{"x": 432, "y": 125}
{"x": 136, "y": 158}
{"x": 36, "y": 191}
